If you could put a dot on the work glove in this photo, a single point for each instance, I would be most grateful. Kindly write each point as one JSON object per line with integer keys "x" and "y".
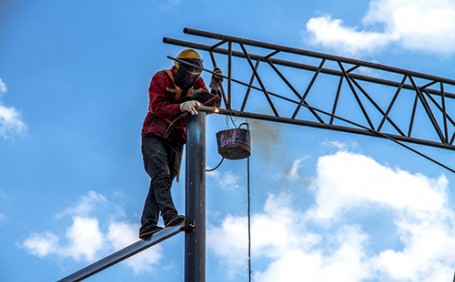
{"x": 217, "y": 78}
{"x": 190, "y": 106}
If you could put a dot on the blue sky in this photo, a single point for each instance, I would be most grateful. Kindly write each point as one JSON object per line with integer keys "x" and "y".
{"x": 325, "y": 205}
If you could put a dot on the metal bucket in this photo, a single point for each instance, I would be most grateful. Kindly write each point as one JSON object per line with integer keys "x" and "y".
{"x": 234, "y": 144}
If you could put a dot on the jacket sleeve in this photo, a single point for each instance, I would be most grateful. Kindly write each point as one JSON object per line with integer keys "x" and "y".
{"x": 200, "y": 84}
{"x": 160, "y": 103}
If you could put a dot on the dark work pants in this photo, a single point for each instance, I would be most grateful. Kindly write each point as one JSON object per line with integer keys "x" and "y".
{"x": 162, "y": 160}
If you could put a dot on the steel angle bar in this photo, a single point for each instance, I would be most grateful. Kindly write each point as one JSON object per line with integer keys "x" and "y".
{"x": 352, "y": 69}
{"x": 446, "y": 117}
{"x": 444, "y": 111}
{"x": 389, "y": 108}
{"x": 307, "y": 91}
{"x": 223, "y": 95}
{"x": 256, "y": 74}
{"x": 294, "y": 90}
{"x": 124, "y": 253}
{"x": 365, "y": 93}
{"x": 248, "y": 90}
{"x": 229, "y": 52}
{"x": 413, "y": 115}
{"x": 428, "y": 110}
{"x": 428, "y": 84}
{"x": 356, "y": 96}
{"x": 335, "y": 102}
{"x": 441, "y": 108}
{"x": 218, "y": 44}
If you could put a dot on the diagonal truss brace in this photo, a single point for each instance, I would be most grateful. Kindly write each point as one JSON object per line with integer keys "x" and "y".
{"x": 386, "y": 101}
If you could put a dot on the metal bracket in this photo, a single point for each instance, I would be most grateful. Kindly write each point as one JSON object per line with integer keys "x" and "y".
{"x": 189, "y": 225}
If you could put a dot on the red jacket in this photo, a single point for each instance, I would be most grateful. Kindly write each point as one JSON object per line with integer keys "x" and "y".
{"x": 164, "y": 106}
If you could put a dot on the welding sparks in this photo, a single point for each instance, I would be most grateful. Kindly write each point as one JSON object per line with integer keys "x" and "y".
{"x": 211, "y": 109}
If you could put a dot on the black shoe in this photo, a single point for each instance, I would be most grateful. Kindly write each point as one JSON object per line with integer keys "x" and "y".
{"x": 145, "y": 235}
{"x": 177, "y": 220}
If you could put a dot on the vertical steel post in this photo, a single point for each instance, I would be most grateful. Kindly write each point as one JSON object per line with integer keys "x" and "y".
{"x": 195, "y": 198}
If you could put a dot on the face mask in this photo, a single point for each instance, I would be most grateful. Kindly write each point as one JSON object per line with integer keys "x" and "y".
{"x": 187, "y": 75}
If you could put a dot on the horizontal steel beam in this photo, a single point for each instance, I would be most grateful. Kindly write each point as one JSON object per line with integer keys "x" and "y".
{"x": 125, "y": 253}
{"x": 314, "y": 54}
{"x": 361, "y": 130}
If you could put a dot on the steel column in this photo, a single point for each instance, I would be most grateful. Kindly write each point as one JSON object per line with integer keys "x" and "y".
{"x": 195, "y": 198}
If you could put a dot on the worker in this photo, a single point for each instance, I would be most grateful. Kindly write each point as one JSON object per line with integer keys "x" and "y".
{"x": 161, "y": 149}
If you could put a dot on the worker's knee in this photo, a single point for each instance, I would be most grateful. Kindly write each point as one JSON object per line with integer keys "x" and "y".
{"x": 162, "y": 182}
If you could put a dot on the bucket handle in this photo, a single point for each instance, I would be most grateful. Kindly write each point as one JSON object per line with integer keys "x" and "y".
{"x": 247, "y": 125}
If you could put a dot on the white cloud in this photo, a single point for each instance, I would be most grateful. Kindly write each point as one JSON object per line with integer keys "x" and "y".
{"x": 331, "y": 33}
{"x": 3, "y": 88}
{"x": 372, "y": 183}
{"x": 345, "y": 263}
{"x": 278, "y": 236}
{"x": 322, "y": 240}
{"x": 122, "y": 234}
{"x": 270, "y": 234}
{"x": 340, "y": 146}
{"x": 11, "y": 123}
{"x": 85, "y": 205}
{"x": 85, "y": 237}
{"x": 427, "y": 26}
{"x": 296, "y": 165}
{"x": 224, "y": 180}
{"x": 85, "y": 240}
{"x": 42, "y": 244}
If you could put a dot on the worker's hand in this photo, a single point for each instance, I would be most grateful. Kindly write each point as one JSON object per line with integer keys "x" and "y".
{"x": 217, "y": 78}
{"x": 190, "y": 106}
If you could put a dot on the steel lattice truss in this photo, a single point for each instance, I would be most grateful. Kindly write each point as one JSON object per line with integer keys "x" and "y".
{"x": 302, "y": 87}
{"x": 307, "y": 88}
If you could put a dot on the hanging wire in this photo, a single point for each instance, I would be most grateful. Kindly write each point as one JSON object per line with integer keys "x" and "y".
{"x": 249, "y": 219}
{"x": 217, "y": 166}
{"x": 231, "y": 116}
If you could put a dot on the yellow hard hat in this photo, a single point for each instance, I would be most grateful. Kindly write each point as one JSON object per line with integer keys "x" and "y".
{"x": 187, "y": 54}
